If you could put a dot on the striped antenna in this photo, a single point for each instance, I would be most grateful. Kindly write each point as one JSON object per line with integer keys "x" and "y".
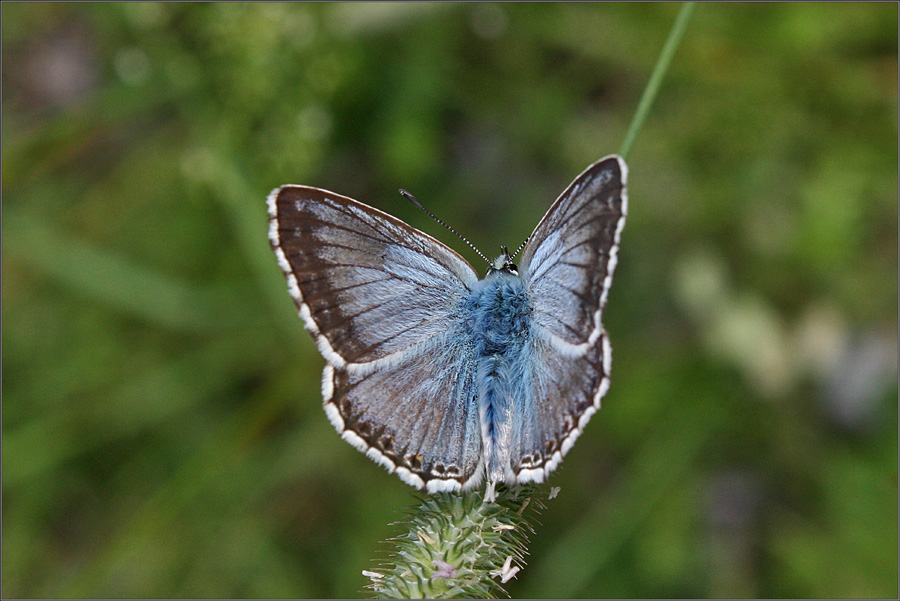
{"x": 521, "y": 246}
{"x": 415, "y": 201}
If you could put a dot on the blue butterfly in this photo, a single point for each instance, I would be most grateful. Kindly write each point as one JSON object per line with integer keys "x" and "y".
{"x": 445, "y": 379}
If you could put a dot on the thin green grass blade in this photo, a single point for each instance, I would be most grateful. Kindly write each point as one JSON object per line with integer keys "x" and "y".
{"x": 659, "y": 71}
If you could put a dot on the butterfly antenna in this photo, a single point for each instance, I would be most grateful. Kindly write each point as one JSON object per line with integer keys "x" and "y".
{"x": 521, "y": 246}
{"x": 415, "y": 201}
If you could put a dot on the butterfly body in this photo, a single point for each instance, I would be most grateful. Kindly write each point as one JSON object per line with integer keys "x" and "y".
{"x": 446, "y": 379}
{"x": 498, "y": 313}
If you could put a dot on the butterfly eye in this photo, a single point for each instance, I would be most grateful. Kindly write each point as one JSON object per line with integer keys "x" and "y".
{"x": 508, "y": 267}
{"x": 504, "y": 262}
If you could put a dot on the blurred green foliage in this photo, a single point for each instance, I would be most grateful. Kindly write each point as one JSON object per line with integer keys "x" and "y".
{"x": 162, "y": 429}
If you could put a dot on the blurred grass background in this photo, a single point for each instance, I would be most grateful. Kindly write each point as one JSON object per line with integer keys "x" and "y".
{"x": 162, "y": 428}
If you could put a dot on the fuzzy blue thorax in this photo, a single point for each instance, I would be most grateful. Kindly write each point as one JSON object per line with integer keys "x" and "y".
{"x": 500, "y": 310}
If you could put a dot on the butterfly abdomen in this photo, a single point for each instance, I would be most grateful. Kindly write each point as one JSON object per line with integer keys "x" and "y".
{"x": 499, "y": 312}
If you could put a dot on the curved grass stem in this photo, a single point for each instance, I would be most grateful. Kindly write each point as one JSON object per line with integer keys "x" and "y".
{"x": 659, "y": 71}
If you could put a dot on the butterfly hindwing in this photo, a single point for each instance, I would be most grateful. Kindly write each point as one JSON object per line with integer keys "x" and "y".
{"x": 428, "y": 431}
{"x": 568, "y": 266}
{"x": 553, "y": 406}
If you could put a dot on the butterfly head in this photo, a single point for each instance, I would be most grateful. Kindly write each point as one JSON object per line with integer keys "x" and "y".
{"x": 503, "y": 263}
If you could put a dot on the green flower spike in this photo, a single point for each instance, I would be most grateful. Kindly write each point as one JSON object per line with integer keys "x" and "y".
{"x": 459, "y": 546}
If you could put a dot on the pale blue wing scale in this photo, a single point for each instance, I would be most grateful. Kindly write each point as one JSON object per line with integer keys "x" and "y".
{"x": 368, "y": 286}
{"x": 418, "y": 419}
{"x": 567, "y": 268}
{"x": 556, "y": 397}
{"x": 382, "y": 300}
{"x": 569, "y": 261}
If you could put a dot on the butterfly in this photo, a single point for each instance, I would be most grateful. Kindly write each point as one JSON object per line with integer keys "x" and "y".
{"x": 443, "y": 378}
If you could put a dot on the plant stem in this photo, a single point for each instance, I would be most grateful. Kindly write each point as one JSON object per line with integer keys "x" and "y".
{"x": 659, "y": 71}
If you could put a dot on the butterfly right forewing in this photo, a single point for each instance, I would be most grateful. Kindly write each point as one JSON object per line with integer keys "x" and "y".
{"x": 570, "y": 258}
{"x": 568, "y": 266}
